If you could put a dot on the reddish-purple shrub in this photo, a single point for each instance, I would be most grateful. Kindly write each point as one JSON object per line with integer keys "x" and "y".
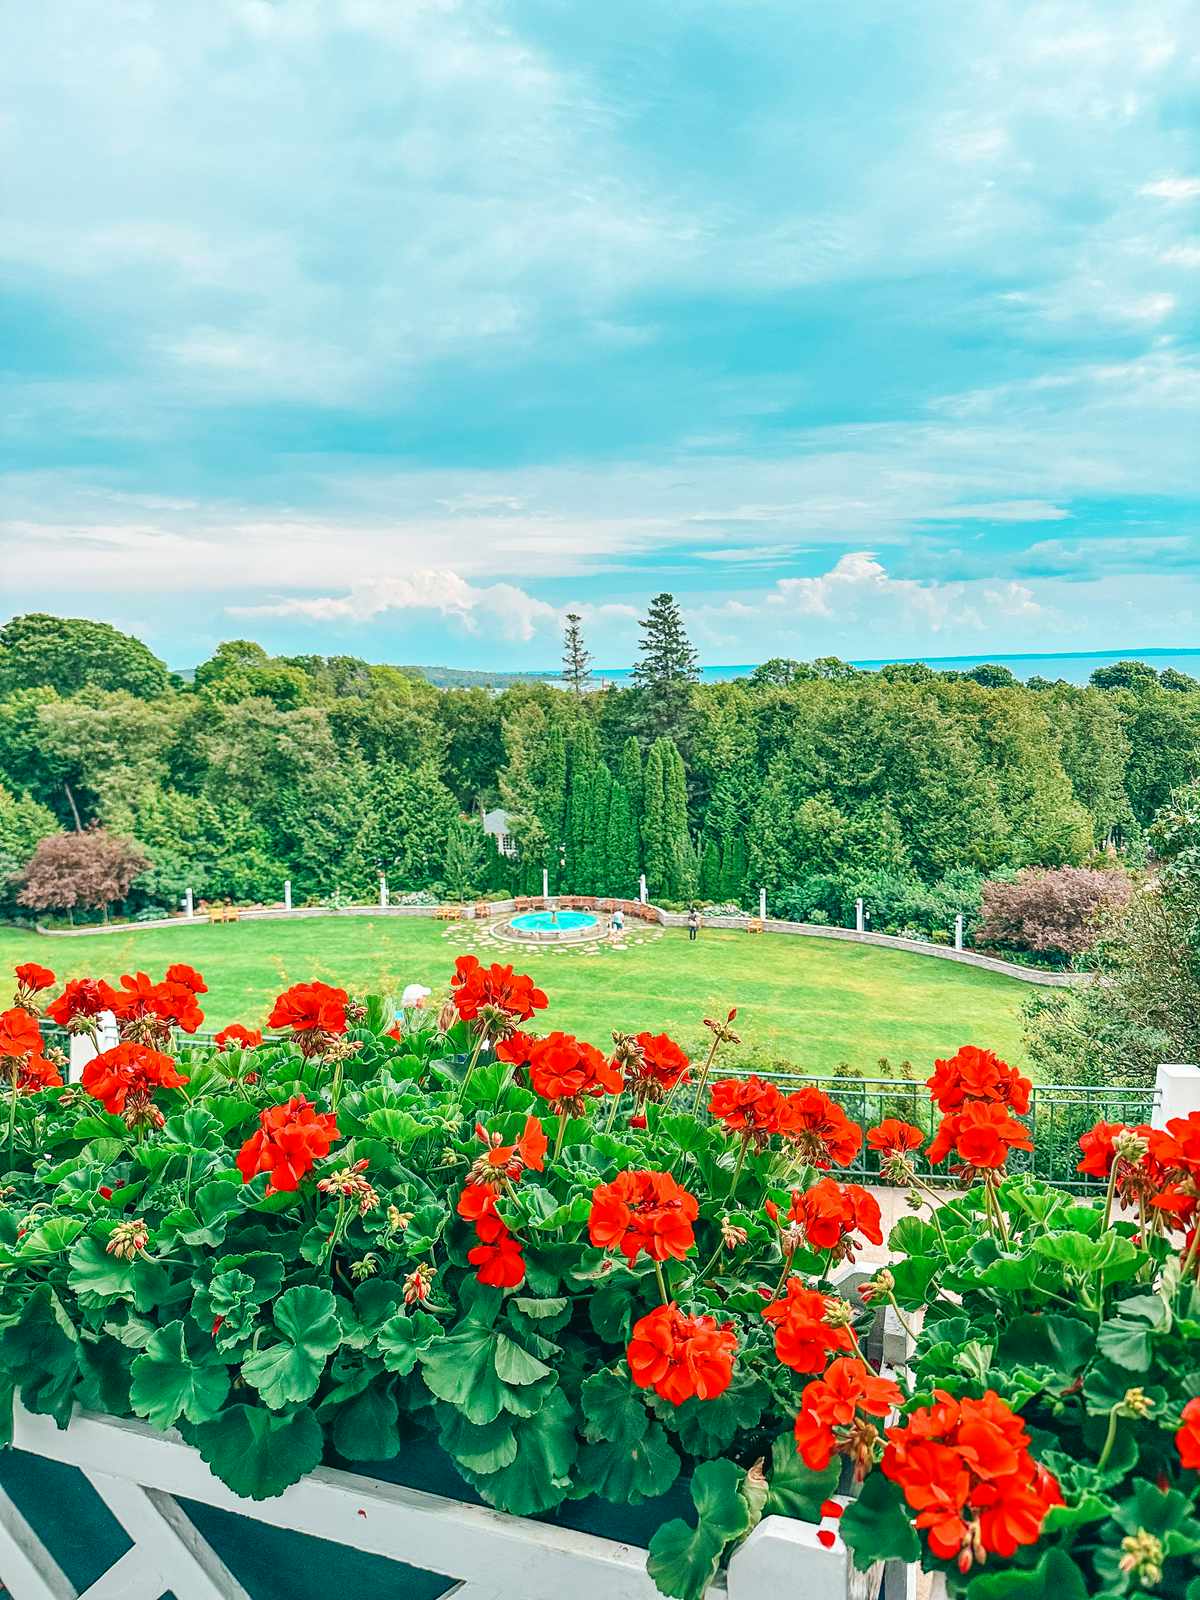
{"x": 1055, "y": 910}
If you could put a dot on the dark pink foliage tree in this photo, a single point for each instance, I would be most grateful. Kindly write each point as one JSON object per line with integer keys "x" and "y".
{"x": 1053, "y": 910}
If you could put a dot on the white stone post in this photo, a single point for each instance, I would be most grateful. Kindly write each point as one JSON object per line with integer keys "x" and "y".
{"x": 642, "y": 888}
{"x": 287, "y": 895}
{"x": 83, "y": 1049}
{"x": 1176, "y": 1092}
{"x": 189, "y": 904}
{"x": 545, "y": 883}
{"x": 859, "y": 922}
{"x": 958, "y": 925}
{"x": 383, "y": 892}
{"x": 762, "y": 904}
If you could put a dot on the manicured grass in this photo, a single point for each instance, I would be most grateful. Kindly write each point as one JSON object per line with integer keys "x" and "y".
{"x": 816, "y": 1002}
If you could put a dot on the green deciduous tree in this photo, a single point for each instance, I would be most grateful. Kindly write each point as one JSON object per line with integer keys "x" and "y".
{"x": 69, "y": 653}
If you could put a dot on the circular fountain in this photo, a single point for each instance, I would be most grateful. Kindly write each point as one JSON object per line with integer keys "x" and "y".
{"x": 553, "y": 927}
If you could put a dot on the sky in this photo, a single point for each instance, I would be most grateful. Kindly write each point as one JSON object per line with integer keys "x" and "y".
{"x": 402, "y": 327}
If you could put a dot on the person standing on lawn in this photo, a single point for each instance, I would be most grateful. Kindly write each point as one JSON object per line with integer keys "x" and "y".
{"x": 693, "y": 924}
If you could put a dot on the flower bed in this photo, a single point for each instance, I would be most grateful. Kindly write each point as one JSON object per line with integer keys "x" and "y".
{"x": 605, "y": 1277}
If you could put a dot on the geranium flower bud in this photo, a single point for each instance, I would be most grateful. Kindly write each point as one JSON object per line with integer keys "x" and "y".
{"x": 731, "y": 1235}
{"x": 1142, "y": 1558}
{"x": 127, "y": 1240}
{"x": 418, "y": 1284}
{"x": 398, "y": 1220}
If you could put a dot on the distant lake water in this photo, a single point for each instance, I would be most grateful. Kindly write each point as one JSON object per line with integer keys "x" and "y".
{"x": 1075, "y": 667}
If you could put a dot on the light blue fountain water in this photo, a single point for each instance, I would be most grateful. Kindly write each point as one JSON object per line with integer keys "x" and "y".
{"x": 545, "y": 922}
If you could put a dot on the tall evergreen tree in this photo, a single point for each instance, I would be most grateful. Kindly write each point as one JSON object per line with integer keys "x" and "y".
{"x": 665, "y": 671}
{"x": 596, "y": 874}
{"x": 681, "y": 856}
{"x": 623, "y": 853}
{"x": 733, "y": 869}
{"x": 577, "y": 659}
{"x": 629, "y": 773}
{"x": 654, "y": 839}
{"x": 710, "y": 870}
{"x": 583, "y": 760}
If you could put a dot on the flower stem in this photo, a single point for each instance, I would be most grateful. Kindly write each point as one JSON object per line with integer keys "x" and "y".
{"x": 737, "y": 1171}
{"x": 12, "y": 1110}
{"x": 662, "y": 1287}
{"x": 462, "y": 1088}
{"x": 1110, "y": 1196}
{"x": 1110, "y": 1439}
{"x": 562, "y": 1129}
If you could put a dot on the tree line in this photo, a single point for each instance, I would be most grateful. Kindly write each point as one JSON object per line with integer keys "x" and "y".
{"x": 814, "y": 780}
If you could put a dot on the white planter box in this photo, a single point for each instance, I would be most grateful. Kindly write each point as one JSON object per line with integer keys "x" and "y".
{"x": 137, "y": 1471}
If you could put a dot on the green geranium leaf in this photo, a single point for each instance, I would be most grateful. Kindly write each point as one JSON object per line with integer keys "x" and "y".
{"x": 99, "y": 1279}
{"x": 913, "y": 1276}
{"x": 792, "y": 1489}
{"x": 1112, "y": 1256}
{"x": 682, "y": 1560}
{"x": 628, "y": 1457}
{"x": 877, "y": 1526}
{"x": 405, "y": 1338}
{"x": 706, "y": 1427}
{"x": 460, "y": 1368}
{"x": 539, "y": 1476}
{"x": 366, "y": 1427}
{"x": 913, "y": 1237}
{"x": 257, "y": 1453}
{"x": 1126, "y": 1342}
{"x": 291, "y": 1370}
{"x": 176, "y": 1376}
{"x": 478, "y": 1449}
{"x": 1063, "y": 1344}
{"x": 515, "y": 1365}
{"x": 1055, "y": 1574}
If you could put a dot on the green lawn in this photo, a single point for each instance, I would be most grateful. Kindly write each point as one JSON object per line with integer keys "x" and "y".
{"x": 816, "y": 1002}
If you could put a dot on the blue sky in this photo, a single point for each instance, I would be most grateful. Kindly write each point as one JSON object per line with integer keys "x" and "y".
{"x": 401, "y": 327}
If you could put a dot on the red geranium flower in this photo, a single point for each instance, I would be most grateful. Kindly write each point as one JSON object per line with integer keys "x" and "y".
{"x": 474, "y": 986}
{"x": 804, "y": 1339}
{"x": 981, "y": 1134}
{"x": 965, "y": 1469}
{"x": 235, "y": 1034}
{"x": 310, "y": 1008}
{"x": 563, "y": 1069}
{"x": 500, "y": 1261}
{"x": 502, "y": 1163}
{"x": 516, "y": 1049}
{"x": 19, "y": 1033}
{"x": 150, "y": 1010}
{"x": 747, "y": 1106}
{"x": 829, "y": 1421}
{"x": 643, "y": 1211}
{"x": 291, "y": 1138}
{"x": 35, "y": 1073}
{"x": 1187, "y": 1440}
{"x": 830, "y": 1214}
{"x": 187, "y": 976}
{"x": 32, "y": 979}
{"x": 681, "y": 1357}
{"x": 819, "y": 1128}
{"x": 975, "y": 1074}
{"x": 895, "y": 1137}
{"x": 81, "y": 999}
{"x": 129, "y": 1071}
{"x": 657, "y": 1067}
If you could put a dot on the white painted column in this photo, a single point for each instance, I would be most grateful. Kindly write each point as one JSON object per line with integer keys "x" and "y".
{"x": 762, "y": 904}
{"x": 85, "y": 1049}
{"x": 383, "y": 892}
{"x": 287, "y": 895}
{"x": 642, "y": 888}
{"x": 958, "y": 930}
{"x": 189, "y": 905}
{"x": 858, "y": 915}
{"x": 545, "y": 883}
{"x": 1177, "y": 1092}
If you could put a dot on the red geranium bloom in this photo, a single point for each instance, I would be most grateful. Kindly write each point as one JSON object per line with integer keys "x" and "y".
{"x": 19, "y": 1033}
{"x": 643, "y": 1211}
{"x": 1177, "y": 1146}
{"x": 312, "y": 1008}
{"x": 819, "y": 1128}
{"x": 975, "y": 1074}
{"x": 831, "y": 1213}
{"x": 681, "y": 1357}
{"x": 516, "y": 1049}
{"x": 32, "y": 978}
{"x": 187, "y": 976}
{"x": 893, "y": 1137}
{"x": 1187, "y": 1440}
{"x": 661, "y": 1067}
{"x": 965, "y": 1469}
{"x": 804, "y": 1340}
{"x": 506, "y": 1162}
{"x": 563, "y": 1069}
{"x": 235, "y": 1034}
{"x": 747, "y": 1106}
{"x": 82, "y": 997}
{"x": 168, "y": 1003}
{"x": 37, "y": 1073}
{"x": 474, "y": 986}
{"x": 828, "y": 1422}
{"x": 129, "y": 1069}
{"x": 500, "y": 1262}
{"x": 291, "y": 1138}
{"x": 1097, "y": 1147}
{"x": 981, "y": 1134}
{"x": 477, "y": 1204}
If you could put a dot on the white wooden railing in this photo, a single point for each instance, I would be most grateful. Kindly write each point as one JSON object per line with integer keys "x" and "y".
{"x": 138, "y": 1471}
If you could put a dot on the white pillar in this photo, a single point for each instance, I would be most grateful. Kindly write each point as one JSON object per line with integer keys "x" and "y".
{"x": 189, "y": 903}
{"x": 287, "y": 895}
{"x": 762, "y": 904}
{"x": 83, "y": 1049}
{"x": 642, "y": 888}
{"x": 1177, "y": 1092}
{"x": 545, "y": 883}
{"x": 383, "y": 892}
{"x": 859, "y": 922}
{"x": 958, "y": 931}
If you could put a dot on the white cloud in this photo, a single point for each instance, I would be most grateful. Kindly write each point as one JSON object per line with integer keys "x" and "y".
{"x": 858, "y": 589}
{"x": 513, "y": 612}
{"x": 1001, "y": 511}
{"x": 1173, "y": 189}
